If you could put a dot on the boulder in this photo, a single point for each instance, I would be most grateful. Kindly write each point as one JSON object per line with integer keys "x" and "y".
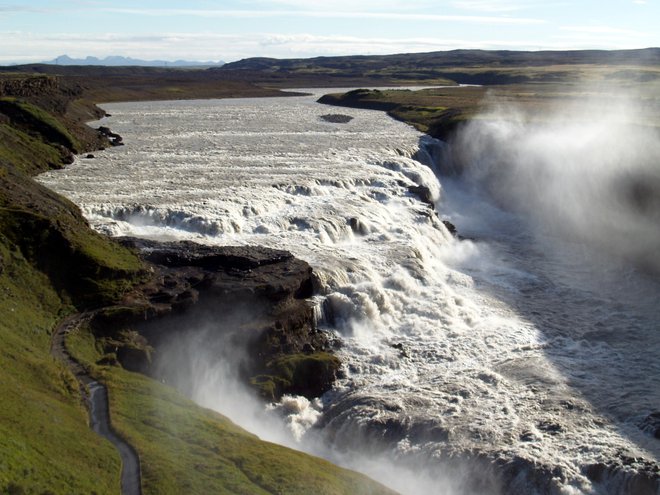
{"x": 336, "y": 118}
{"x": 423, "y": 193}
{"x": 651, "y": 424}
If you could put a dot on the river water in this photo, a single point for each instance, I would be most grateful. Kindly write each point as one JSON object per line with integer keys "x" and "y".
{"x": 514, "y": 359}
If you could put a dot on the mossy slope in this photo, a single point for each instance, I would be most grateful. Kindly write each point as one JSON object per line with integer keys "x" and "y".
{"x": 45, "y": 444}
{"x": 50, "y": 263}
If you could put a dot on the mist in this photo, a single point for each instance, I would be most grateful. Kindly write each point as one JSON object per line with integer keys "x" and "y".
{"x": 584, "y": 172}
{"x": 204, "y": 359}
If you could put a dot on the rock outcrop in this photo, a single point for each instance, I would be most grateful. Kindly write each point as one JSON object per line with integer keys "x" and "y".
{"x": 255, "y": 296}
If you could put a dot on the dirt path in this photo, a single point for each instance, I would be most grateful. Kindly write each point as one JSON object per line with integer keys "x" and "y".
{"x": 96, "y": 396}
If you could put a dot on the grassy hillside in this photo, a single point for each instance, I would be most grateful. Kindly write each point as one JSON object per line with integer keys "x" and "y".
{"x": 45, "y": 444}
{"x": 50, "y": 263}
{"x": 185, "y": 448}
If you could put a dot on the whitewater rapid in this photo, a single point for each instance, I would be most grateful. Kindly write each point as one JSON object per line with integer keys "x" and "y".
{"x": 461, "y": 356}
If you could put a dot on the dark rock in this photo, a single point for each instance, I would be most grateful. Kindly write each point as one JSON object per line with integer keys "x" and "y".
{"x": 450, "y": 227}
{"x": 357, "y": 226}
{"x": 308, "y": 348}
{"x": 627, "y": 474}
{"x": 67, "y": 156}
{"x": 89, "y": 156}
{"x": 254, "y": 297}
{"x": 115, "y": 139}
{"x": 423, "y": 193}
{"x": 337, "y": 118}
{"x": 401, "y": 348}
{"x": 651, "y": 424}
{"x": 549, "y": 427}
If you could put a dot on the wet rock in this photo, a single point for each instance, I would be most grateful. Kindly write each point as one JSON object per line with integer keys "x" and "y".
{"x": 423, "y": 193}
{"x": 450, "y": 227}
{"x": 67, "y": 156}
{"x": 336, "y": 118}
{"x": 401, "y": 348}
{"x": 357, "y": 226}
{"x": 255, "y": 297}
{"x": 625, "y": 474}
{"x": 549, "y": 427}
{"x": 114, "y": 138}
{"x": 89, "y": 156}
{"x": 651, "y": 424}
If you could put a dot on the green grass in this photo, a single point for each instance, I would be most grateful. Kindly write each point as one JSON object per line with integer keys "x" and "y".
{"x": 30, "y": 155}
{"x": 46, "y": 445}
{"x": 49, "y": 260}
{"x": 40, "y": 121}
{"x": 84, "y": 266}
{"x": 185, "y": 448}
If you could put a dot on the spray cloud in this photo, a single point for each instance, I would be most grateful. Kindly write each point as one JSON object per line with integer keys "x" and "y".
{"x": 585, "y": 172}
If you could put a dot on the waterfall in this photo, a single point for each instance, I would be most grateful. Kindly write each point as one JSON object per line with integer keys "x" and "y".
{"x": 471, "y": 365}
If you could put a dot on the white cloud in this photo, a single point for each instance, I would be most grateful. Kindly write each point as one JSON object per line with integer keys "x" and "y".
{"x": 396, "y": 16}
{"x": 488, "y": 5}
{"x": 492, "y": 6}
{"x": 351, "y": 5}
{"x": 34, "y": 47}
{"x": 603, "y": 30}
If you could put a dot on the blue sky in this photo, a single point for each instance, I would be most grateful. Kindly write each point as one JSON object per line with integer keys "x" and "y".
{"x": 37, "y": 30}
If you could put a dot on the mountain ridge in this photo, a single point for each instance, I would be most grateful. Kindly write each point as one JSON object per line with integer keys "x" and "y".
{"x": 120, "y": 61}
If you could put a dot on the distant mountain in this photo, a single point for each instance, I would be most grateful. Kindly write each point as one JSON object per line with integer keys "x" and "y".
{"x": 453, "y": 58}
{"x": 118, "y": 61}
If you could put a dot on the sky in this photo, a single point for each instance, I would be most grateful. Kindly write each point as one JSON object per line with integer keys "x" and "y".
{"x": 228, "y": 30}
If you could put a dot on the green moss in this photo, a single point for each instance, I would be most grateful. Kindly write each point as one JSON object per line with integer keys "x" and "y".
{"x": 303, "y": 374}
{"x": 39, "y": 121}
{"x": 30, "y": 155}
{"x": 88, "y": 268}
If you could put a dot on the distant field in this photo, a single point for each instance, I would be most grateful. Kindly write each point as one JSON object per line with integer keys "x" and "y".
{"x": 438, "y": 111}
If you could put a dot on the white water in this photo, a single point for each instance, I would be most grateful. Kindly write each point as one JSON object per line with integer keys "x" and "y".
{"x": 502, "y": 349}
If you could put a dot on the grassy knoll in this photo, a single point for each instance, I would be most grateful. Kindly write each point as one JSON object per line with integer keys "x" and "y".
{"x": 185, "y": 448}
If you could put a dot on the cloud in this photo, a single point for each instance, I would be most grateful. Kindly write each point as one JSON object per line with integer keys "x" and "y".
{"x": 488, "y": 5}
{"x": 492, "y": 6}
{"x": 394, "y": 16}
{"x": 351, "y": 5}
{"x": 603, "y": 30}
{"x": 36, "y": 47}
{"x": 21, "y": 9}
{"x": 608, "y": 37}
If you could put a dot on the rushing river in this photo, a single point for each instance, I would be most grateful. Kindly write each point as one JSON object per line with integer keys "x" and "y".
{"x": 502, "y": 361}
